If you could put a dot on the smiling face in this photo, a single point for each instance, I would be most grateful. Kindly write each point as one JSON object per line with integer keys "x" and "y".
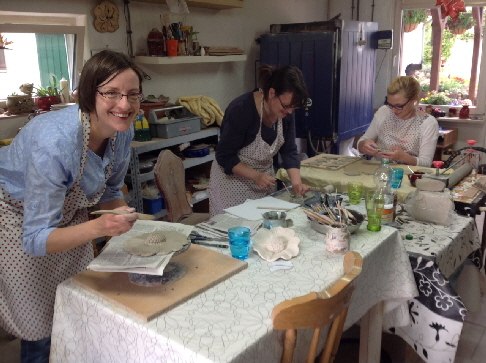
{"x": 113, "y": 114}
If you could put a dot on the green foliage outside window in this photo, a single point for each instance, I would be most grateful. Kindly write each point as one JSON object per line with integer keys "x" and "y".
{"x": 448, "y": 40}
{"x": 415, "y": 16}
{"x": 463, "y": 21}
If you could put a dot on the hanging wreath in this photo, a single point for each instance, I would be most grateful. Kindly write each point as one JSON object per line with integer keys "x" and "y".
{"x": 106, "y": 17}
{"x": 451, "y": 8}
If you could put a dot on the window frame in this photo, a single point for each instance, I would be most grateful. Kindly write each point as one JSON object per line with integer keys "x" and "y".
{"x": 400, "y": 5}
{"x": 50, "y": 23}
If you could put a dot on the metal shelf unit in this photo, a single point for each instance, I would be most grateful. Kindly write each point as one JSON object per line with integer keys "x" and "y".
{"x": 139, "y": 147}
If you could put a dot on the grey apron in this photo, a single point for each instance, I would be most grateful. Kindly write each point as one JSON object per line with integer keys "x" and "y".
{"x": 27, "y": 283}
{"x": 229, "y": 190}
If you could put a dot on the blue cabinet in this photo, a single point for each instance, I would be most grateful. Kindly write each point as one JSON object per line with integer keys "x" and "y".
{"x": 339, "y": 69}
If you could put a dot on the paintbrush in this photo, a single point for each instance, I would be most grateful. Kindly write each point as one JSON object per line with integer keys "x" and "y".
{"x": 142, "y": 216}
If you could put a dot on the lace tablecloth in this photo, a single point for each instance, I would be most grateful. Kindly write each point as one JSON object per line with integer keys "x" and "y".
{"x": 231, "y": 322}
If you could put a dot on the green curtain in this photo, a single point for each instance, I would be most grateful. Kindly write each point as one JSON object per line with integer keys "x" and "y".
{"x": 52, "y": 57}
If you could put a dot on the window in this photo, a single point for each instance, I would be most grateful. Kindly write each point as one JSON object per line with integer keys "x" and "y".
{"x": 43, "y": 45}
{"x": 445, "y": 56}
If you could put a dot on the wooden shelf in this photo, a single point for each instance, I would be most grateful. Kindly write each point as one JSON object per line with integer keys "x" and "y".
{"x": 210, "y": 4}
{"x": 215, "y": 4}
{"x": 190, "y": 59}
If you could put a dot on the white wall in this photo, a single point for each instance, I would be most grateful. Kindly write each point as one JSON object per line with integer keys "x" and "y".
{"x": 233, "y": 27}
{"x": 383, "y": 14}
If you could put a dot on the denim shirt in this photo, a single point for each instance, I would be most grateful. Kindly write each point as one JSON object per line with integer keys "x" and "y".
{"x": 43, "y": 162}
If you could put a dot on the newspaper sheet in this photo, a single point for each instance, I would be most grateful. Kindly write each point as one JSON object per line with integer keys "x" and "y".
{"x": 113, "y": 258}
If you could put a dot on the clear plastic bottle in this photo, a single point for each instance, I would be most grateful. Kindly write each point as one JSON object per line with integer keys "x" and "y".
{"x": 382, "y": 178}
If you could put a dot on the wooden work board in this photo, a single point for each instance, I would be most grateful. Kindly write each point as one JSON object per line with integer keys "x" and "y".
{"x": 203, "y": 268}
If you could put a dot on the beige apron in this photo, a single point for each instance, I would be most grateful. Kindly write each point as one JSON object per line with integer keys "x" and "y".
{"x": 228, "y": 190}
{"x": 27, "y": 283}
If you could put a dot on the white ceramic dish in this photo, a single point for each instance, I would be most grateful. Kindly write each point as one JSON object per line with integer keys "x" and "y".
{"x": 275, "y": 243}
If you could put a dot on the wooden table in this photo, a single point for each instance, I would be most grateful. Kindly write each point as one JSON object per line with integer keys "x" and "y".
{"x": 358, "y": 170}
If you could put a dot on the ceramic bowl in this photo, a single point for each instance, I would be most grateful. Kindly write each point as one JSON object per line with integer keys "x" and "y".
{"x": 324, "y": 228}
{"x": 275, "y": 243}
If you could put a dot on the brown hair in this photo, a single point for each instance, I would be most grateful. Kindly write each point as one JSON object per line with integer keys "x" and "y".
{"x": 409, "y": 86}
{"x": 284, "y": 79}
{"x": 99, "y": 69}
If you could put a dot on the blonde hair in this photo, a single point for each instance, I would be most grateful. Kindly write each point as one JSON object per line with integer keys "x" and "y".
{"x": 408, "y": 85}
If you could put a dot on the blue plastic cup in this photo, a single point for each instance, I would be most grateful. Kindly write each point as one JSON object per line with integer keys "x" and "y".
{"x": 239, "y": 242}
{"x": 396, "y": 178}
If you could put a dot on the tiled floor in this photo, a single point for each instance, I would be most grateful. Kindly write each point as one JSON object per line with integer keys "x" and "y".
{"x": 472, "y": 345}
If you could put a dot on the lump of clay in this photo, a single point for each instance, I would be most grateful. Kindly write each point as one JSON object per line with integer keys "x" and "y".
{"x": 156, "y": 243}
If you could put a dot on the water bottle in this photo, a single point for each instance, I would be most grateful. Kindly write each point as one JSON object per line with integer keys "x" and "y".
{"x": 384, "y": 191}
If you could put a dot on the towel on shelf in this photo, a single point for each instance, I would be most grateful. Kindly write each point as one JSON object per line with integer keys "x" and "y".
{"x": 203, "y": 106}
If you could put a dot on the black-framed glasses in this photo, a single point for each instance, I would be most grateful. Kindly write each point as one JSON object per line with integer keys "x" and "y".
{"x": 396, "y": 107}
{"x": 287, "y": 107}
{"x": 117, "y": 96}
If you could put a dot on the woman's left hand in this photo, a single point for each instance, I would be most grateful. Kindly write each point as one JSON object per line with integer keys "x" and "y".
{"x": 395, "y": 154}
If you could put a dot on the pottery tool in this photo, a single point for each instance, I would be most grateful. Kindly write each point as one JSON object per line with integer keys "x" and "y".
{"x": 142, "y": 216}
{"x": 208, "y": 244}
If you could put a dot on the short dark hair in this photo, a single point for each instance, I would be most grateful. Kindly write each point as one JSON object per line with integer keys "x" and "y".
{"x": 284, "y": 79}
{"x": 412, "y": 68}
{"x": 99, "y": 69}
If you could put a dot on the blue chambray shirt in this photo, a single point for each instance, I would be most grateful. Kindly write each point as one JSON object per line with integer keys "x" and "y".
{"x": 42, "y": 163}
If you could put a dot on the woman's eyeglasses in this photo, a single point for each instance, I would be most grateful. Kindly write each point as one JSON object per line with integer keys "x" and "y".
{"x": 396, "y": 107}
{"x": 287, "y": 107}
{"x": 117, "y": 96}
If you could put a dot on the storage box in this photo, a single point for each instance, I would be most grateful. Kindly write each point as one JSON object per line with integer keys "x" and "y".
{"x": 153, "y": 206}
{"x": 173, "y": 121}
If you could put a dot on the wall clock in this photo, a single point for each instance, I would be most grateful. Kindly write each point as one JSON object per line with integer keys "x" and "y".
{"x": 106, "y": 16}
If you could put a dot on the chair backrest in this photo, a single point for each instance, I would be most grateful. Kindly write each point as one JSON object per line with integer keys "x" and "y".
{"x": 170, "y": 179}
{"x": 316, "y": 311}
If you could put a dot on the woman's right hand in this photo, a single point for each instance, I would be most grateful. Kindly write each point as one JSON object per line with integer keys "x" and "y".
{"x": 115, "y": 225}
{"x": 264, "y": 181}
{"x": 369, "y": 147}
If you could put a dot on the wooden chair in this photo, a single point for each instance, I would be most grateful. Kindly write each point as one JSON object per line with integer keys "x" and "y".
{"x": 170, "y": 179}
{"x": 316, "y": 311}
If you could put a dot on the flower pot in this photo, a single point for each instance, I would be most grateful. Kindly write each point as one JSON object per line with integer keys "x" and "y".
{"x": 407, "y": 28}
{"x": 20, "y": 104}
{"x": 44, "y": 103}
{"x": 457, "y": 31}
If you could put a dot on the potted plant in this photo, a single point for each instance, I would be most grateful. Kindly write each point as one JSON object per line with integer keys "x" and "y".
{"x": 48, "y": 96}
{"x": 4, "y": 42}
{"x": 436, "y": 98}
{"x": 459, "y": 25}
{"x": 413, "y": 17}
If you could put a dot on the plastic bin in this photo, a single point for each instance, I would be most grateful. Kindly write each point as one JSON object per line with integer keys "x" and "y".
{"x": 153, "y": 206}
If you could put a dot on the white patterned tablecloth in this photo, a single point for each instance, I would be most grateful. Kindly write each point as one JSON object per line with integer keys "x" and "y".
{"x": 231, "y": 322}
{"x": 437, "y": 253}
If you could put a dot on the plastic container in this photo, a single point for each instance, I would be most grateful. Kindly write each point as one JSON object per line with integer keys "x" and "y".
{"x": 153, "y": 206}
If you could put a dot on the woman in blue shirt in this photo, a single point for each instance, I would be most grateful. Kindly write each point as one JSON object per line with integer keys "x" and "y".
{"x": 60, "y": 164}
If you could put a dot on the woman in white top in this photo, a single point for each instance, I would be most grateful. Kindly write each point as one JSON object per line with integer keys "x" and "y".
{"x": 400, "y": 131}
